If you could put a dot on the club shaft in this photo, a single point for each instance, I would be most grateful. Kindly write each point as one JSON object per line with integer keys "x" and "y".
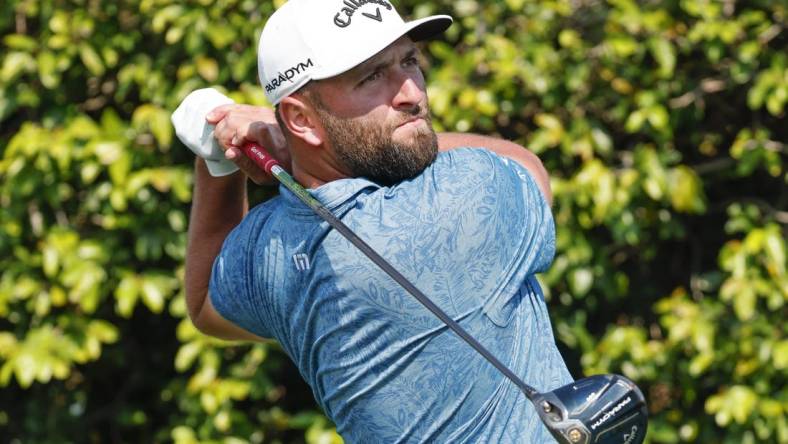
{"x": 264, "y": 161}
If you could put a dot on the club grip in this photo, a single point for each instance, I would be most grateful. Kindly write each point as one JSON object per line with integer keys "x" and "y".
{"x": 264, "y": 160}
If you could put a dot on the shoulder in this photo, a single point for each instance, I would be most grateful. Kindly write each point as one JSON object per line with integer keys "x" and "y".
{"x": 465, "y": 178}
{"x": 477, "y": 165}
{"x": 472, "y": 156}
{"x": 505, "y": 149}
{"x": 465, "y": 162}
{"x": 250, "y": 226}
{"x": 266, "y": 208}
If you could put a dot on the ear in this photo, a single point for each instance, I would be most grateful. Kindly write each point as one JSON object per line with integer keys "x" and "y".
{"x": 302, "y": 121}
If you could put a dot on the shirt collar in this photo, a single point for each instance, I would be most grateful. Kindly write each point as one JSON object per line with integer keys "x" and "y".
{"x": 333, "y": 194}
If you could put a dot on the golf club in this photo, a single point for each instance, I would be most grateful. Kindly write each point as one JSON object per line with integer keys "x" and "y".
{"x": 604, "y": 409}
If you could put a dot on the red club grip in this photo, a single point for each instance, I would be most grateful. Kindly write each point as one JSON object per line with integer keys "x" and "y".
{"x": 259, "y": 156}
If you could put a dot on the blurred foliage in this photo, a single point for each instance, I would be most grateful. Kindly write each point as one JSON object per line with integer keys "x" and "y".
{"x": 662, "y": 124}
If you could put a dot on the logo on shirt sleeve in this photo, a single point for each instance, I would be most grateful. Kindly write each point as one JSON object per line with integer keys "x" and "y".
{"x": 302, "y": 262}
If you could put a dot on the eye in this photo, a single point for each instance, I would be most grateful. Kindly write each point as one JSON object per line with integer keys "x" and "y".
{"x": 370, "y": 78}
{"x": 411, "y": 61}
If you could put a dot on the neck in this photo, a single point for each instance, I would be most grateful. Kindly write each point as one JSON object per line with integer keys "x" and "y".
{"x": 315, "y": 168}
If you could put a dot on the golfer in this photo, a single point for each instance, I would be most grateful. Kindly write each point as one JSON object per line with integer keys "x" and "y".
{"x": 465, "y": 218}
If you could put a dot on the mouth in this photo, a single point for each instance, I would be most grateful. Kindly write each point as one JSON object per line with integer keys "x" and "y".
{"x": 412, "y": 121}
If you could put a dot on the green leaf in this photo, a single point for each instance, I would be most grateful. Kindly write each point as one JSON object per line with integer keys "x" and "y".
{"x": 552, "y": 126}
{"x": 157, "y": 120}
{"x": 220, "y": 34}
{"x": 183, "y": 435}
{"x": 771, "y": 408}
{"x": 208, "y": 68}
{"x": 623, "y": 46}
{"x": 774, "y": 247}
{"x": 51, "y": 261}
{"x": 26, "y": 367}
{"x": 744, "y": 302}
{"x": 103, "y": 331}
{"x": 91, "y": 59}
{"x": 602, "y": 140}
{"x": 186, "y": 356}
{"x": 700, "y": 363}
{"x": 155, "y": 289}
{"x": 120, "y": 169}
{"x": 665, "y": 55}
{"x": 658, "y": 117}
{"x": 89, "y": 172}
{"x": 153, "y": 296}
{"x": 47, "y": 69}
{"x": 20, "y": 42}
{"x": 166, "y": 15}
{"x": 569, "y": 38}
{"x": 686, "y": 192}
{"x": 635, "y": 121}
{"x": 126, "y": 295}
{"x": 780, "y": 355}
{"x": 107, "y": 152}
{"x": 775, "y": 102}
{"x": 581, "y": 281}
{"x": 8, "y": 344}
{"x": 15, "y": 64}
{"x": 59, "y": 23}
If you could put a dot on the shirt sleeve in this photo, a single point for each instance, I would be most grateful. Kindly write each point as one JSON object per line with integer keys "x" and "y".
{"x": 536, "y": 204}
{"x": 232, "y": 289}
{"x": 508, "y": 230}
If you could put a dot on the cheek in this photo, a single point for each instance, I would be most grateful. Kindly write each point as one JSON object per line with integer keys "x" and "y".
{"x": 379, "y": 117}
{"x": 359, "y": 108}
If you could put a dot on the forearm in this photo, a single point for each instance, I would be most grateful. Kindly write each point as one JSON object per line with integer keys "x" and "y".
{"x": 218, "y": 205}
{"x": 511, "y": 150}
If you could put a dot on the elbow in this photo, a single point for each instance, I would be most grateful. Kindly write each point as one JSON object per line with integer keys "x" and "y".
{"x": 534, "y": 165}
{"x": 199, "y": 324}
{"x": 543, "y": 179}
{"x": 202, "y": 323}
{"x": 195, "y": 301}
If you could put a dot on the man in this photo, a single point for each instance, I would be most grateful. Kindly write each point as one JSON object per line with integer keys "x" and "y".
{"x": 469, "y": 227}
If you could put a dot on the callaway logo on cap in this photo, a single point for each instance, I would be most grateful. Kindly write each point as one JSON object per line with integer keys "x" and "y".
{"x": 353, "y": 6}
{"x": 318, "y": 39}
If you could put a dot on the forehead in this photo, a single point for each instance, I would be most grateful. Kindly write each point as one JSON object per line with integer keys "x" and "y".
{"x": 402, "y": 45}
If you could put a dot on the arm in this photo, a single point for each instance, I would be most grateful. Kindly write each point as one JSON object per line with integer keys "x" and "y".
{"x": 510, "y": 150}
{"x": 238, "y": 123}
{"x": 218, "y": 206}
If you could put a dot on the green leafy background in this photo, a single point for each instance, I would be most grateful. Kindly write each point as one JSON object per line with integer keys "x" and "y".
{"x": 662, "y": 124}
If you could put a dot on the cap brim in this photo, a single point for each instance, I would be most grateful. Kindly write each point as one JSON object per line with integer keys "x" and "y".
{"x": 417, "y": 30}
{"x": 428, "y": 27}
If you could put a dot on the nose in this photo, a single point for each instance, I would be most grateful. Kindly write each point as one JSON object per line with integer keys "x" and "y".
{"x": 410, "y": 94}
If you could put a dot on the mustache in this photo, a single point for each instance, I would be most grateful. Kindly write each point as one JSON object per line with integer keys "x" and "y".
{"x": 417, "y": 111}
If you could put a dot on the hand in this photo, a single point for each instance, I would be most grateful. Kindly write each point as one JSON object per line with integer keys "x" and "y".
{"x": 236, "y": 125}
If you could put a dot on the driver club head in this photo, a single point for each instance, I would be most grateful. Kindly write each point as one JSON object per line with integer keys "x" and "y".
{"x": 601, "y": 409}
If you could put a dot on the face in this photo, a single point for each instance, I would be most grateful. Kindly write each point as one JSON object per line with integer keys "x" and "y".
{"x": 376, "y": 117}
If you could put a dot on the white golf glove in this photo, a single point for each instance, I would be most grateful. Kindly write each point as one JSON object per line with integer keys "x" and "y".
{"x": 197, "y": 134}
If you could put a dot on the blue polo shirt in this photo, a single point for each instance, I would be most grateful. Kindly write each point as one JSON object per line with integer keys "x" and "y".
{"x": 470, "y": 232}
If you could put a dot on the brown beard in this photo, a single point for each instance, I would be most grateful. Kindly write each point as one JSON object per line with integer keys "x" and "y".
{"x": 368, "y": 150}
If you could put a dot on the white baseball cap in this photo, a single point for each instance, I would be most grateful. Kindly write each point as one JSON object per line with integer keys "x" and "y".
{"x": 318, "y": 39}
